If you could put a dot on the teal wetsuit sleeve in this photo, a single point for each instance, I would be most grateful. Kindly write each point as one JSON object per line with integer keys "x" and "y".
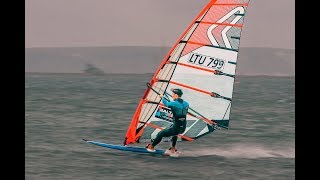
{"x": 166, "y": 102}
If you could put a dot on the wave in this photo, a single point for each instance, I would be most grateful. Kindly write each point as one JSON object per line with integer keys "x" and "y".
{"x": 251, "y": 151}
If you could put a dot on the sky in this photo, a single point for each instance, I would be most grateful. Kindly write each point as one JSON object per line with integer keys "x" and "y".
{"x": 92, "y": 23}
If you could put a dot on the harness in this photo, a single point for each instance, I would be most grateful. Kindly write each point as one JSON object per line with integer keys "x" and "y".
{"x": 180, "y": 120}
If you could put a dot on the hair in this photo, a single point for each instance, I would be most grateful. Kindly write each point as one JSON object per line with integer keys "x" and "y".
{"x": 177, "y": 92}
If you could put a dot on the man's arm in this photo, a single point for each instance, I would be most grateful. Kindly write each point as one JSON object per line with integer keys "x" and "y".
{"x": 165, "y": 101}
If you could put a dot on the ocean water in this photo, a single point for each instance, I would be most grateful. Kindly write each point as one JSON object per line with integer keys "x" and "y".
{"x": 61, "y": 109}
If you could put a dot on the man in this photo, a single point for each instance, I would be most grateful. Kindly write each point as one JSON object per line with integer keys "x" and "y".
{"x": 179, "y": 109}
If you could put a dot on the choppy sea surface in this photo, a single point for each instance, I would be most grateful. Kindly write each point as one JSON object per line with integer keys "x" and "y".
{"x": 61, "y": 109}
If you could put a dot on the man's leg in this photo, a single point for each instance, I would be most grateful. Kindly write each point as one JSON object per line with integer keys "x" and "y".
{"x": 164, "y": 133}
{"x": 174, "y": 141}
{"x": 175, "y": 138}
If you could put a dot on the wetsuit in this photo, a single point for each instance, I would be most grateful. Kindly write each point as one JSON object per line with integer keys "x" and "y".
{"x": 179, "y": 110}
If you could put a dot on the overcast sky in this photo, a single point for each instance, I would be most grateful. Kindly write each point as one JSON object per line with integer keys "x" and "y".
{"x": 75, "y": 23}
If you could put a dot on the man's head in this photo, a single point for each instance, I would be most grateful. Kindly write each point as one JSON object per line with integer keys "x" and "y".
{"x": 176, "y": 93}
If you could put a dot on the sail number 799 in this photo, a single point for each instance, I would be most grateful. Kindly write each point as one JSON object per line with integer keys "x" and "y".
{"x": 206, "y": 61}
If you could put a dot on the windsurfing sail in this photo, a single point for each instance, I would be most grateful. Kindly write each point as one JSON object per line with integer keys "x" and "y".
{"x": 203, "y": 64}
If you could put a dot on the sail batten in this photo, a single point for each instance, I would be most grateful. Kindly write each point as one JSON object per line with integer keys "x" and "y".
{"x": 202, "y": 62}
{"x": 209, "y": 45}
{"x": 231, "y": 4}
{"x": 221, "y": 24}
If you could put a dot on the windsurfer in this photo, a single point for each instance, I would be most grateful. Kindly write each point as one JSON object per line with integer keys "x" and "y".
{"x": 179, "y": 108}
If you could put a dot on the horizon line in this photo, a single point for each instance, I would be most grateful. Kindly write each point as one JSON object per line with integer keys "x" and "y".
{"x": 123, "y": 73}
{"x": 40, "y": 47}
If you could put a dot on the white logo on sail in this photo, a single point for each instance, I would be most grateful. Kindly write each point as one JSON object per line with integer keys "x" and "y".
{"x": 226, "y": 29}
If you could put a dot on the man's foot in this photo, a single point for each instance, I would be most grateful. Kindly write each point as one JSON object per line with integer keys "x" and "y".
{"x": 150, "y": 148}
{"x": 172, "y": 150}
